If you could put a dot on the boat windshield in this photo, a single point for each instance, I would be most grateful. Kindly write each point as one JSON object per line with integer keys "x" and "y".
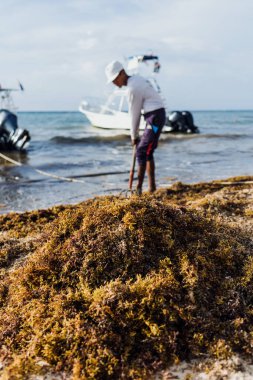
{"x": 117, "y": 101}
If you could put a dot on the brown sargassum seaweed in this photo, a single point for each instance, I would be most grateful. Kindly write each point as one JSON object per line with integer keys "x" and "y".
{"x": 120, "y": 288}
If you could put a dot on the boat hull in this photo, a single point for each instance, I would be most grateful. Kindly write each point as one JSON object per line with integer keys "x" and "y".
{"x": 114, "y": 121}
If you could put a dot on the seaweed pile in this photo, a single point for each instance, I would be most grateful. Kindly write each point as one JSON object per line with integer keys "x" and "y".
{"x": 118, "y": 287}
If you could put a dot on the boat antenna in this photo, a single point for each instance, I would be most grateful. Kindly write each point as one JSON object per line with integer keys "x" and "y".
{"x": 6, "y": 100}
{"x": 21, "y": 86}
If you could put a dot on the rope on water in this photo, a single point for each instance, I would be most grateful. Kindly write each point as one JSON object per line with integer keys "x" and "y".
{"x": 73, "y": 178}
{"x": 69, "y": 179}
{"x": 40, "y": 171}
{"x": 10, "y": 160}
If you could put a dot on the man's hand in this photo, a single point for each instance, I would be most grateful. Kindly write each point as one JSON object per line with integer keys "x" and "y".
{"x": 135, "y": 141}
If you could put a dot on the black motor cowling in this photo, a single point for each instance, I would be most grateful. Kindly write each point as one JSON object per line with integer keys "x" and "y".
{"x": 11, "y": 136}
{"x": 181, "y": 122}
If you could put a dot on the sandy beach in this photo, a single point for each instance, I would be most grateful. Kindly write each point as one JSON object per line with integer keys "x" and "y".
{"x": 151, "y": 287}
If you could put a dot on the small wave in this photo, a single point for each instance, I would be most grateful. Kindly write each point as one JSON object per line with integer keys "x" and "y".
{"x": 229, "y": 136}
{"x": 89, "y": 139}
{"x": 178, "y": 136}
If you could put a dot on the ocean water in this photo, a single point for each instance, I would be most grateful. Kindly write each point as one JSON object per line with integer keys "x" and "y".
{"x": 64, "y": 144}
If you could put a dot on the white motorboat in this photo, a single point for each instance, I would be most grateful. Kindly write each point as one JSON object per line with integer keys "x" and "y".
{"x": 110, "y": 116}
{"x": 114, "y": 113}
{"x": 11, "y": 136}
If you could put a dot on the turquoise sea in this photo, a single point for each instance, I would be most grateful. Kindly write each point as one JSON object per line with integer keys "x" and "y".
{"x": 64, "y": 144}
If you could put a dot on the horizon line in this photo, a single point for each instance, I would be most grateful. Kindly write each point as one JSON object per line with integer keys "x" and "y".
{"x": 191, "y": 110}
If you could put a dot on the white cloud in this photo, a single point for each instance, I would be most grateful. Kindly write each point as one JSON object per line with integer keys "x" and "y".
{"x": 178, "y": 43}
{"x": 60, "y": 48}
{"x": 87, "y": 43}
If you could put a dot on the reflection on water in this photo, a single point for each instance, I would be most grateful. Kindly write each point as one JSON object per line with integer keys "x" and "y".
{"x": 8, "y": 169}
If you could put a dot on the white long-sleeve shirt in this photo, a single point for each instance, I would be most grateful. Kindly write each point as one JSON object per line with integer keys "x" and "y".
{"x": 141, "y": 97}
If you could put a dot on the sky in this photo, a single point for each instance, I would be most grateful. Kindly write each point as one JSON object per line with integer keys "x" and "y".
{"x": 58, "y": 50}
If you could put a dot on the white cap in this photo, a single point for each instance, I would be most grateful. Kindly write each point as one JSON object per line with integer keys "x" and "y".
{"x": 112, "y": 70}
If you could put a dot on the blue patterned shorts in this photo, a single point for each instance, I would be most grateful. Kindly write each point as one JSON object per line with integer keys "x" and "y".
{"x": 155, "y": 121}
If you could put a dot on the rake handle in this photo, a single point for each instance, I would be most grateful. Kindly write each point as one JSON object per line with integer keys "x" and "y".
{"x": 131, "y": 174}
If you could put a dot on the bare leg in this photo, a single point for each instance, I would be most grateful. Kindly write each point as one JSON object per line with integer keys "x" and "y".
{"x": 151, "y": 175}
{"x": 141, "y": 174}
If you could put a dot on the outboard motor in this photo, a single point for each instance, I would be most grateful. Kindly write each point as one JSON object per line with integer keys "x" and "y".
{"x": 182, "y": 122}
{"x": 11, "y": 136}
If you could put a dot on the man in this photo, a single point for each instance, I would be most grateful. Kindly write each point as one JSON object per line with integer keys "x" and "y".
{"x": 142, "y": 97}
